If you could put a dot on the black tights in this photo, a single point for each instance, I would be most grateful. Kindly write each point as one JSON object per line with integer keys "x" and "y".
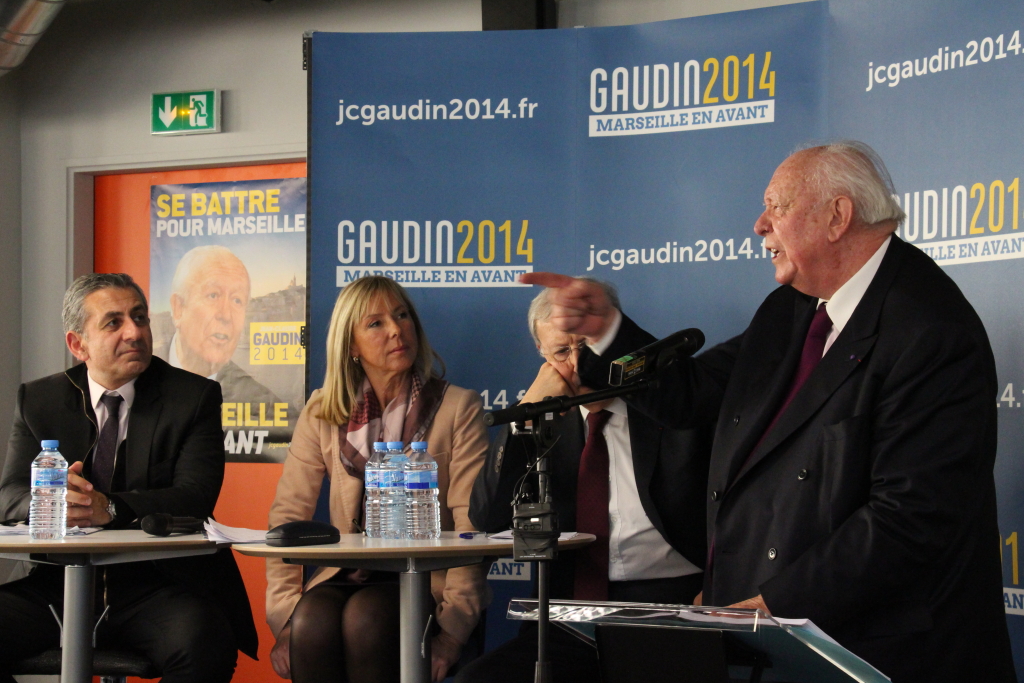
{"x": 346, "y": 633}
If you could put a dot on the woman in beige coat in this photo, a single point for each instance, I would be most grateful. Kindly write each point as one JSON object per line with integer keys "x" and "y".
{"x": 380, "y": 385}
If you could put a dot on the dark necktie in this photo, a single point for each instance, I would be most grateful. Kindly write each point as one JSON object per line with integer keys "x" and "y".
{"x": 814, "y": 348}
{"x": 592, "y": 511}
{"x": 106, "y": 446}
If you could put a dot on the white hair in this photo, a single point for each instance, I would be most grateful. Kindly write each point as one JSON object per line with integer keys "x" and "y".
{"x": 853, "y": 169}
{"x": 540, "y": 307}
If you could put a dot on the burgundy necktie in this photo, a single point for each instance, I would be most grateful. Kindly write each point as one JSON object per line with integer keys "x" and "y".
{"x": 592, "y": 511}
{"x": 106, "y": 446}
{"x": 814, "y": 348}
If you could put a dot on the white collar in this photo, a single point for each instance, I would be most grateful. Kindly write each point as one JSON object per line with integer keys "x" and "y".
{"x": 844, "y": 302}
{"x": 616, "y": 407}
{"x": 96, "y": 391}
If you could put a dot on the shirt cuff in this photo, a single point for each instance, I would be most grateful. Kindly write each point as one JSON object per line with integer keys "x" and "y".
{"x": 602, "y": 344}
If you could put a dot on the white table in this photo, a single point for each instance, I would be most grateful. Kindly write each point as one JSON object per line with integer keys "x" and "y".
{"x": 415, "y": 560}
{"x": 80, "y": 555}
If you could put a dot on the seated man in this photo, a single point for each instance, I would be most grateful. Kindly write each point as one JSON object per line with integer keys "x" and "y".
{"x": 141, "y": 438}
{"x": 614, "y": 473}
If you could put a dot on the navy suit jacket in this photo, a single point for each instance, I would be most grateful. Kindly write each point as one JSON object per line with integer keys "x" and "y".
{"x": 870, "y": 506}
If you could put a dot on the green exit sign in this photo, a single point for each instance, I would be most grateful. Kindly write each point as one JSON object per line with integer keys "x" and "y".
{"x": 186, "y": 113}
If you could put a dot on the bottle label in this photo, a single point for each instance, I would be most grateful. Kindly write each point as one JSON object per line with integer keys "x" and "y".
{"x": 49, "y": 477}
{"x": 391, "y": 479}
{"x": 371, "y": 479}
{"x": 423, "y": 479}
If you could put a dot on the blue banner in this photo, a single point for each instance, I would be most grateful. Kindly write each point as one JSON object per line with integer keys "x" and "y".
{"x": 934, "y": 86}
{"x": 639, "y": 155}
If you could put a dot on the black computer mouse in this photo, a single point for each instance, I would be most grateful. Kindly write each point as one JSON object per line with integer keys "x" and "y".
{"x": 305, "y": 532}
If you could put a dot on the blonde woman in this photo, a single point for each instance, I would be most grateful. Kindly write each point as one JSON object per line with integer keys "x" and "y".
{"x": 381, "y": 385}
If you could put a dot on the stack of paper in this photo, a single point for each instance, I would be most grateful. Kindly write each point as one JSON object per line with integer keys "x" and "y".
{"x": 221, "y": 533}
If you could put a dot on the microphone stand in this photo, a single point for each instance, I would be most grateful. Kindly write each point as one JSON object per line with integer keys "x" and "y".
{"x": 535, "y": 525}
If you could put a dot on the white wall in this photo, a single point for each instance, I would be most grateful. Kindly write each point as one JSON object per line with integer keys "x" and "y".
{"x": 85, "y": 98}
{"x": 622, "y": 12}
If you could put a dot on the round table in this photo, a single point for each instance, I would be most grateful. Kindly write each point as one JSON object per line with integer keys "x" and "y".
{"x": 414, "y": 560}
{"x": 80, "y": 555}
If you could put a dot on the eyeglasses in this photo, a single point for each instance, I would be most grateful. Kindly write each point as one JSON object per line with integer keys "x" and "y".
{"x": 562, "y": 353}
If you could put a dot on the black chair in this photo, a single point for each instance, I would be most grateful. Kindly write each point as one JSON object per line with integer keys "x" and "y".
{"x": 112, "y": 666}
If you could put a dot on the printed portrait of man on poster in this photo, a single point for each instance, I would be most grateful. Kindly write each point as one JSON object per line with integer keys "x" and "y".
{"x": 228, "y": 301}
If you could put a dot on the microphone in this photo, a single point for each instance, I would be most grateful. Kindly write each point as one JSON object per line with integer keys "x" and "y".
{"x": 655, "y": 356}
{"x": 163, "y": 524}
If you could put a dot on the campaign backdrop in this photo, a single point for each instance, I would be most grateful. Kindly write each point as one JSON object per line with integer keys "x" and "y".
{"x": 639, "y": 155}
{"x": 228, "y": 300}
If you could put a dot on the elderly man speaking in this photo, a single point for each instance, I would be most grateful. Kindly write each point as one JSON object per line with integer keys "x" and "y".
{"x": 851, "y": 474}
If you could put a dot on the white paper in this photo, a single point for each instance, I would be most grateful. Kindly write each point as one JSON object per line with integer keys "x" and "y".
{"x": 221, "y": 533}
{"x": 507, "y": 535}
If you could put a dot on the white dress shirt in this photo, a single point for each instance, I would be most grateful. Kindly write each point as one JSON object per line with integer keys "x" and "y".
{"x": 636, "y": 549}
{"x": 127, "y": 393}
{"x": 844, "y": 302}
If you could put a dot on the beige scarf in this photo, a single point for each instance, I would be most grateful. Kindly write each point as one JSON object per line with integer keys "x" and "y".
{"x": 407, "y": 418}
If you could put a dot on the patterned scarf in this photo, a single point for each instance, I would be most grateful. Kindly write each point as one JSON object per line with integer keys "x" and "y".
{"x": 406, "y": 418}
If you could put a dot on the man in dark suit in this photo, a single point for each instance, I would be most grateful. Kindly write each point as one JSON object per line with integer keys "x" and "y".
{"x": 851, "y": 474}
{"x": 141, "y": 438}
{"x": 642, "y": 496}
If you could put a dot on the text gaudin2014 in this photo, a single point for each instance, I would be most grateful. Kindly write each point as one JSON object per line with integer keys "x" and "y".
{"x": 657, "y": 87}
{"x": 426, "y": 253}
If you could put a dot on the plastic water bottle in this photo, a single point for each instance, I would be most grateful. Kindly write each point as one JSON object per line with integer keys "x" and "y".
{"x": 392, "y": 487}
{"x": 48, "y": 511}
{"x": 422, "y": 511}
{"x": 371, "y": 477}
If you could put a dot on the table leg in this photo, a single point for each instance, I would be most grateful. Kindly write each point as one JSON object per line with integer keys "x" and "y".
{"x": 414, "y": 589}
{"x": 76, "y": 662}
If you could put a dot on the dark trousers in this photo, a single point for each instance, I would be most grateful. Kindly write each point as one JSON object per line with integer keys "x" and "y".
{"x": 571, "y": 658}
{"x": 186, "y": 637}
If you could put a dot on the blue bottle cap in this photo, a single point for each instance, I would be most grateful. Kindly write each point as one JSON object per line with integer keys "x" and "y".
{"x": 50, "y": 444}
{"x": 379, "y": 445}
{"x": 394, "y": 445}
{"x": 419, "y": 445}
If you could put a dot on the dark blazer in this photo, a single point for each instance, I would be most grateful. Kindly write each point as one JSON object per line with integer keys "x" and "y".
{"x": 870, "y": 506}
{"x": 173, "y": 463}
{"x": 671, "y": 470}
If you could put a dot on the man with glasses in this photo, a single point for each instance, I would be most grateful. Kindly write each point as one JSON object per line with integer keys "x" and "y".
{"x": 614, "y": 473}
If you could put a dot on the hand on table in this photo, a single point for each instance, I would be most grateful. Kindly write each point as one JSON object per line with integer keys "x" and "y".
{"x": 753, "y": 603}
{"x": 281, "y": 653}
{"x": 577, "y": 306}
{"x": 444, "y": 653}
{"x": 86, "y": 507}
